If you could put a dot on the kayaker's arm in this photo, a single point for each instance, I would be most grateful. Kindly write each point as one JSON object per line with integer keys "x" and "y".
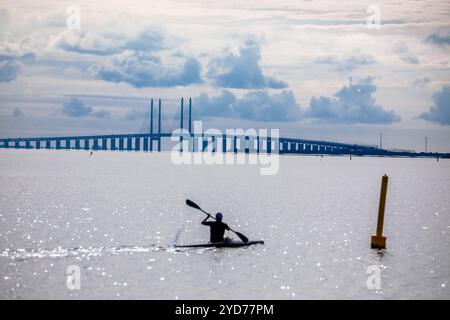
{"x": 205, "y": 221}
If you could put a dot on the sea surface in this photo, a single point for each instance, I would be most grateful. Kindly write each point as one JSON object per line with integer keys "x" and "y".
{"x": 115, "y": 216}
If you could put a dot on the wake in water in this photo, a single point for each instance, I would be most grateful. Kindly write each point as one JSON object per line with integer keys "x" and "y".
{"x": 86, "y": 252}
{"x": 22, "y": 254}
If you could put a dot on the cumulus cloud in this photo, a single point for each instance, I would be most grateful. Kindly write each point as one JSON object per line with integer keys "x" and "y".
{"x": 9, "y": 70}
{"x": 104, "y": 44}
{"x": 255, "y": 105}
{"x": 13, "y": 55}
{"x": 132, "y": 58}
{"x": 404, "y": 53}
{"x": 17, "y": 112}
{"x": 421, "y": 82}
{"x": 102, "y": 114}
{"x": 440, "y": 40}
{"x": 87, "y": 43}
{"x": 144, "y": 70}
{"x": 242, "y": 70}
{"x": 76, "y": 108}
{"x": 352, "y": 104}
{"x": 347, "y": 63}
{"x": 146, "y": 40}
{"x": 440, "y": 111}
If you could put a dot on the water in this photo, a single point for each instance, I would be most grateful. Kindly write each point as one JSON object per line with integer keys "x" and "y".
{"x": 116, "y": 215}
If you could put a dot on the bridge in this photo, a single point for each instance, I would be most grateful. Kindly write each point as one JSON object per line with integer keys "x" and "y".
{"x": 239, "y": 142}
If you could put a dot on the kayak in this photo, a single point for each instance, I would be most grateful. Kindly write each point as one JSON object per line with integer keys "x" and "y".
{"x": 225, "y": 244}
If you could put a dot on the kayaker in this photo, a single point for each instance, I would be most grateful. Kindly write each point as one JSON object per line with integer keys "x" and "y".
{"x": 217, "y": 227}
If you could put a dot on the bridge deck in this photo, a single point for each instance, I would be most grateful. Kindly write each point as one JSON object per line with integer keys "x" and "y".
{"x": 204, "y": 142}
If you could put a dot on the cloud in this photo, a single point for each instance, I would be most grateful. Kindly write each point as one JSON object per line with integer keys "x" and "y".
{"x": 440, "y": 111}
{"x": 220, "y": 106}
{"x": 17, "y": 112}
{"x": 404, "y": 53}
{"x": 5, "y": 18}
{"x": 255, "y": 105}
{"x": 147, "y": 40}
{"x": 143, "y": 70}
{"x": 105, "y": 44}
{"x": 347, "y": 63}
{"x": 87, "y": 43}
{"x": 352, "y": 104}
{"x": 421, "y": 82}
{"x": 12, "y": 58}
{"x": 9, "y": 70}
{"x": 135, "y": 114}
{"x": 102, "y": 114}
{"x": 76, "y": 108}
{"x": 440, "y": 40}
{"x": 17, "y": 49}
{"x": 242, "y": 70}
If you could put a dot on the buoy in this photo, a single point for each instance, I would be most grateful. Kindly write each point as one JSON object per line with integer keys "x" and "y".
{"x": 378, "y": 240}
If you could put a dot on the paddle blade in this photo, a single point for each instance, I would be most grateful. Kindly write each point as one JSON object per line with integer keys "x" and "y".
{"x": 192, "y": 204}
{"x": 241, "y": 236}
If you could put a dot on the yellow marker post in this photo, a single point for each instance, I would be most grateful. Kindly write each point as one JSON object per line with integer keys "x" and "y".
{"x": 378, "y": 240}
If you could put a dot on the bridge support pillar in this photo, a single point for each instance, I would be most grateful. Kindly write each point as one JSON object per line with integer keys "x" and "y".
{"x": 121, "y": 144}
{"x": 104, "y": 144}
{"x": 86, "y": 144}
{"x": 145, "y": 144}
{"x": 129, "y": 144}
{"x": 204, "y": 144}
{"x": 257, "y": 144}
{"x": 77, "y": 144}
{"x": 113, "y": 144}
{"x": 58, "y": 144}
{"x": 67, "y": 145}
{"x": 137, "y": 144}
{"x": 224, "y": 143}
{"x": 95, "y": 146}
{"x": 214, "y": 143}
{"x": 247, "y": 143}
{"x": 48, "y": 144}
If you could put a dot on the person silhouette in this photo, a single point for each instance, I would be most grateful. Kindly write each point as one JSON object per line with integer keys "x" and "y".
{"x": 217, "y": 228}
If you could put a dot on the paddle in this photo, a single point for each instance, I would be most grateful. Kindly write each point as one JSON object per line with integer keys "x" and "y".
{"x": 196, "y": 206}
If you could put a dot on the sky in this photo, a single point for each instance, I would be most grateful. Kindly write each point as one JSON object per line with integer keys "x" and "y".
{"x": 336, "y": 70}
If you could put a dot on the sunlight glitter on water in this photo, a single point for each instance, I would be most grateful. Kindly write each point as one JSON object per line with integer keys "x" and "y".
{"x": 117, "y": 215}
